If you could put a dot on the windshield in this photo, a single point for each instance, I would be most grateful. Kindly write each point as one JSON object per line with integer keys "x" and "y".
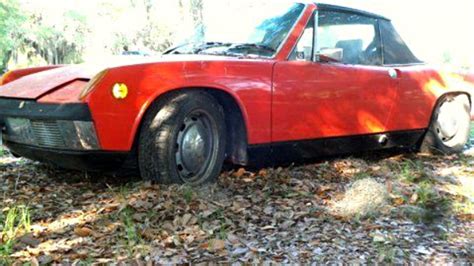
{"x": 258, "y": 29}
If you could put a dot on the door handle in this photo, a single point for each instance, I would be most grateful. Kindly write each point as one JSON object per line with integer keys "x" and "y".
{"x": 393, "y": 73}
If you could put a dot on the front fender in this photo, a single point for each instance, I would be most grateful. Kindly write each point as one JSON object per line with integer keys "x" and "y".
{"x": 118, "y": 120}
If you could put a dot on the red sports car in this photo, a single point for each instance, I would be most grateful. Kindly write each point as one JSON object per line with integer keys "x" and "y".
{"x": 302, "y": 80}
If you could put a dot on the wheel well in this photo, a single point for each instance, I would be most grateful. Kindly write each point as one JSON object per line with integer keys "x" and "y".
{"x": 443, "y": 97}
{"x": 454, "y": 94}
{"x": 236, "y": 148}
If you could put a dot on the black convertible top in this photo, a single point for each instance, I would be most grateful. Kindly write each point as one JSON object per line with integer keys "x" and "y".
{"x": 328, "y": 7}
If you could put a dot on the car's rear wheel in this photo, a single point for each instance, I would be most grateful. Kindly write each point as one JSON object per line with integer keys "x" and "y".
{"x": 182, "y": 140}
{"x": 449, "y": 129}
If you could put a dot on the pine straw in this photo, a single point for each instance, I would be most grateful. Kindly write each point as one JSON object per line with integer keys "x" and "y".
{"x": 364, "y": 197}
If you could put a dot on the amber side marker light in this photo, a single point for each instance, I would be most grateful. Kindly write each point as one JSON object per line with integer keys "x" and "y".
{"x": 120, "y": 91}
{"x": 92, "y": 83}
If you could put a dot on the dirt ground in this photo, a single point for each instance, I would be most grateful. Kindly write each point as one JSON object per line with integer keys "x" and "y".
{"x": 389, "y": 208}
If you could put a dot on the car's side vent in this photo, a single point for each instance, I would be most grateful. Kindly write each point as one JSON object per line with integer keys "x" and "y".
{"x": 47, "y": 133}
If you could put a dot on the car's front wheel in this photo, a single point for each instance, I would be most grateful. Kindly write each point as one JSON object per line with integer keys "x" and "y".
{"x": 449, "y": 129}
{"x": 182, "y": 139}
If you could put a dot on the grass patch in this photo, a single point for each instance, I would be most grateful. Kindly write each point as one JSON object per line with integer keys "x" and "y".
{"x": 431, "y": 199}
{"x": 361, "y": 175}
{"x": 16, "y": 222}
{"x": 188, "y": 194}
{"x": 132, "y": 236}
{"x": 217, "y": 215}
{"x": 412, "y": 171}
{"x": 430, "y": 205}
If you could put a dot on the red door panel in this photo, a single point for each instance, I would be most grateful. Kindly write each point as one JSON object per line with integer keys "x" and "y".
{"x": 318, "y": 100}
{"x": 417, "y": 98}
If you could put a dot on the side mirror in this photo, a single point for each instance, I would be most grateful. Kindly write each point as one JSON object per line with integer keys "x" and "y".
{"x": 303, "y": 53}
{"x": 331, "y": 54}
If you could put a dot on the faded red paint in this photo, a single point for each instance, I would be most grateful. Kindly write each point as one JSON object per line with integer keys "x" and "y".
{"x": 280, "y": 100}
{"x": 17, "y": 74}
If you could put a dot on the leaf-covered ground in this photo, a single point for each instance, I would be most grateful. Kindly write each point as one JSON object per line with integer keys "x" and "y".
{"x": 379, "y": 208}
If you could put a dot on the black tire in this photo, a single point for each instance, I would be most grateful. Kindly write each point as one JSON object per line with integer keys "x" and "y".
{"x": 450, "y": 127}
{"x": 183, "y": 139}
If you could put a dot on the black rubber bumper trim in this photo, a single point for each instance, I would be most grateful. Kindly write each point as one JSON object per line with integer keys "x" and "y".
{"x": 34, "y": 110}
{"x": 75, "y": 160}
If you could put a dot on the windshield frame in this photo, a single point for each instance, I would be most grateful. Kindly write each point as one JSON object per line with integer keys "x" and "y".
{"x": 275, "y": 55}
{"x": 292, "y": 29}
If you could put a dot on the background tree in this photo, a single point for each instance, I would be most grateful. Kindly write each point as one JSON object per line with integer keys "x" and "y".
{"x": 11, "y": 30}
{"x": 197, "y": 7}
{"x": 62, "y": 42}
{"x": 35, "y": 32}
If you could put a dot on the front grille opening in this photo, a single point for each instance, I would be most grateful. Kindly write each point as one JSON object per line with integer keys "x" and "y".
{"x": 47, "y": 133}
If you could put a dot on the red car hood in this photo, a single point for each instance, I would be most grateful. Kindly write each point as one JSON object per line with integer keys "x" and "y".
{"x": 37, "y": 85}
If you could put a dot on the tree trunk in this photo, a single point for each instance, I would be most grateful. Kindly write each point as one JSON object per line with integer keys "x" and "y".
{"x": 6, "y": 59}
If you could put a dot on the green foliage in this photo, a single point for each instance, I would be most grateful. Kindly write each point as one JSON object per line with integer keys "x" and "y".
{"x": 413, "y": 171}
{"x": 58, "y": 42}
{"x": 430, "y": 205}
{"x": 35, "y": 34}
{"x": 11, "y": 30}
{"x": 218, "y": 215}
{"x": 132, "y": 236}
{"x": 188, "y": 194}
{"x": 15, "y": 222}
{"x": 436, "y": 205}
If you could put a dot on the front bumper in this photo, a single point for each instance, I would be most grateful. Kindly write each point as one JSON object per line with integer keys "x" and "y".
{"x": 77, "y": 160}
{"x": 57, "y": 126}
{"x": 59, "y": 134}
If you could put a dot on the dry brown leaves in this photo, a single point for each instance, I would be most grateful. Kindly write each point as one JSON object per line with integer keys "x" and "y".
{"x": 278, "y": 215}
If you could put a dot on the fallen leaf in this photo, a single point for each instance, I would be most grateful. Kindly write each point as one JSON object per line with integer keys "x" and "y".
{"x": 186, "y": 218}
{"x": 389, "y": 186}
{"x": 83, "y": 231}
{"x": 398, "y": 201}
{"x": 29, "y": 240}
{"x": 233, "y": 239}
{"x": 466, "y": 216}
{"x": 45, "y": 259}
{"x": 139, "y": 217}
{"x": 414, "y": 198}
{"x": 268, "y": 227}
{"x": 240, "y": 173}
{"x": 34, "y": 261}
{"x": 216, "y": 245}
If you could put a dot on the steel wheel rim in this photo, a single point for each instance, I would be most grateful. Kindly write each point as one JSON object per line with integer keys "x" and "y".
{"x": 448, "y": 121}
{"x": 195, "y": 146}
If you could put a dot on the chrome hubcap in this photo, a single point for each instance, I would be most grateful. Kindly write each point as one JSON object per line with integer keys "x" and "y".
{"x": 194, "y": 146}
{"x": 448, "y": 121}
